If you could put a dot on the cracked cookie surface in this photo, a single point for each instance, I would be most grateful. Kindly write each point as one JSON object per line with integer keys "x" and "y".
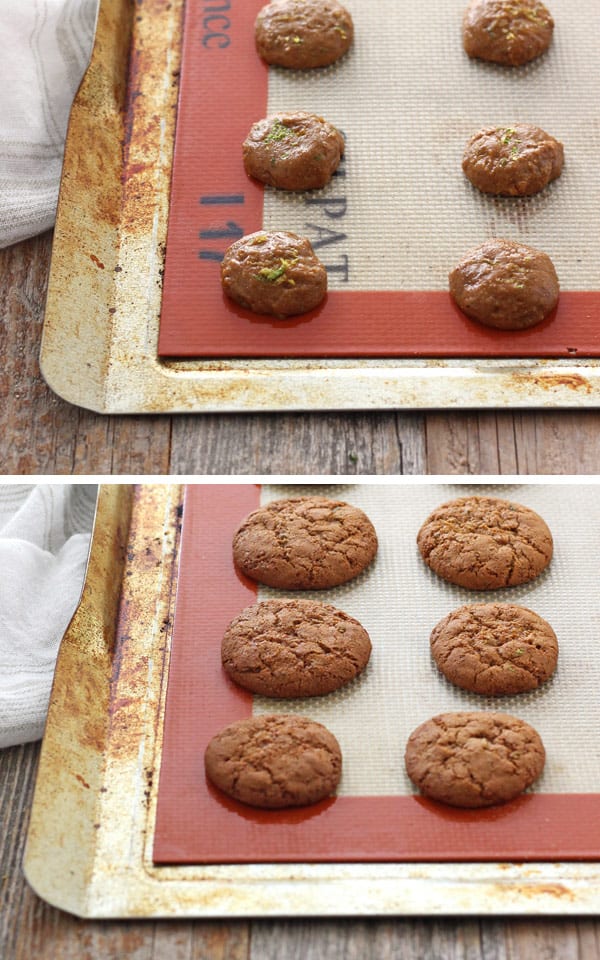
{"x": 495, "y": 648}
{"x": 472, "y": 759}
{"x": 304, "y": 543}
{"x": 275, "y": 761}
{"x": 294, "y": 648}
{"x": 484, "y": 543}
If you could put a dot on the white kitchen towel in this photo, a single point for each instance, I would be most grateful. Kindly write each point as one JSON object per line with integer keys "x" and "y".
{"x": 46, "y": 45}
{"x": 44, "y": 543}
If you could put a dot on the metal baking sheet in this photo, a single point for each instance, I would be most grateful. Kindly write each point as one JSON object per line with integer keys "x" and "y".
{"x": 89, "y": 848}
{"x": 100, "y": 340}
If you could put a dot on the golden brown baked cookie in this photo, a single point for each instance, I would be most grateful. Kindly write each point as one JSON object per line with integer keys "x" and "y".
{"x": 304, "y": 543}
{"x": 294, "y": 648}
{"x": 495, "y": 648}
{"x": 293, "y": 151}
{"x": 483, "y": 543}
{"x": 505, "y": 284}
{"x": 274, "y": 761}
{"x": 301, "y": 34}
{"x": 472, "y": 759}
{"x": 277, "y": 274}
{"x": 511, "y": 32}
{"x": 515, "y": 161}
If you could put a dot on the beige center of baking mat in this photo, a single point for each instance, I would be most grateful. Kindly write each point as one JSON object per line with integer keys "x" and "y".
{"x": 399, "y": 600}
{"x": 404, "y": 212}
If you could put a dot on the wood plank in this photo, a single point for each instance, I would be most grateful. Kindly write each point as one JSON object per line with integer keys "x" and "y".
{"x": 302, "y": 443}
{"x": 416, "y": 939}
{"x": 505, "y": 442}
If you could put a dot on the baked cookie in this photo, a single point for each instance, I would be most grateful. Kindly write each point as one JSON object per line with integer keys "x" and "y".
{"x": 304, "y": 543}
{"x": 293, "y": 151}
{"x": 505, "y": 284}
{"x": 274, "y": 761}
{"x": 483, "y": 543}
{"x": 294, "y": 648}
{"x": 472, "y": 759}
{"x": 511, "y": 32}
{"x": 301, "y": 34}
{"x": 495, "y": 648}
{"x": 274, "y": 273}
{"x": 515, "y": 161}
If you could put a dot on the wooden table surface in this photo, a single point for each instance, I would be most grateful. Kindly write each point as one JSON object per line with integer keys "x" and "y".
{"x": 41, "y": 434}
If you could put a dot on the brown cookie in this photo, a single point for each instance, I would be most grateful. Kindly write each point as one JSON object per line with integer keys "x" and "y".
{"x": 301, "y": 34}
{"x": 472, "y": 759}
{"x": 483, "y": 543}
{"x": 515, "y": 161}
{"x": 293, "y": 151}
{"x": 511, "y": 32}
{"x": 495, "y": 648}
{"x": 505, "y": 284}
{"x": 277, "y": 274}
{"x": 304, "y": 543}
{"x": 274, "y": 761}
{"x": 294, "y": 648}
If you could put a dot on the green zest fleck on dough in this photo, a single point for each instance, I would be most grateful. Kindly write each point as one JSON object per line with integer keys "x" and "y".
{"x": 262, "y": 238}
{"x": 278, "y": 131}
{"x": 509, "y": 134}
{"x": 341, "y": 32}
{"x": 276, "y": 274}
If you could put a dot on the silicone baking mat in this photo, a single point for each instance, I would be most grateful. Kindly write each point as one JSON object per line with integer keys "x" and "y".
{"x": 377, "y": 816}
{"x": 399, "y": 213}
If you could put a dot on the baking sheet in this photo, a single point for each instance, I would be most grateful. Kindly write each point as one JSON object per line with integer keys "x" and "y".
{"x": 89, "y": 847}
{"x": 100, "y": 341}
{"x": 376, "y": 815}
{"x": 399, "y": 213}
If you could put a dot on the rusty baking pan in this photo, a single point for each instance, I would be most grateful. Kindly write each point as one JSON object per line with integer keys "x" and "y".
{"x": 91, "y": 847}
{"x": 123, "y": 217}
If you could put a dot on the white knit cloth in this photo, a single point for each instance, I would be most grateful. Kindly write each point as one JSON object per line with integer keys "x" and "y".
{"x": 46, "y": 46}
{"x": 44, "y": 542}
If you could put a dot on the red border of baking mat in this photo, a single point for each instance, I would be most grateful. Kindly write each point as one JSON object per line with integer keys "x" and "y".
{"x": 224, "y": 88}
{"x": 197, "y": 824}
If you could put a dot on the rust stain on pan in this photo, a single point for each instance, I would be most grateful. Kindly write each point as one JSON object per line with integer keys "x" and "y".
{"x": 550, "y": 381}
{"x": 534, "y": 891}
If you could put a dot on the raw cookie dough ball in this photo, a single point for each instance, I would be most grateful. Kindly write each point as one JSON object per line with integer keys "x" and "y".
{"x": 274, "y": 273}
{"x": 274, "y": 761}
{"x": 511, "y": 32}
{"x": 304, "y": 543}
{"x": 495, "y": 648}
{"x": 301, "y": 34}
{"x": 293, "y": 151}
{"x": 505, "y": 284}
{"x": 513, "y": 161}
{"x": 483, "y": 543}
{"x": 294, "y": 648}
{"x": 472, "y": 759}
